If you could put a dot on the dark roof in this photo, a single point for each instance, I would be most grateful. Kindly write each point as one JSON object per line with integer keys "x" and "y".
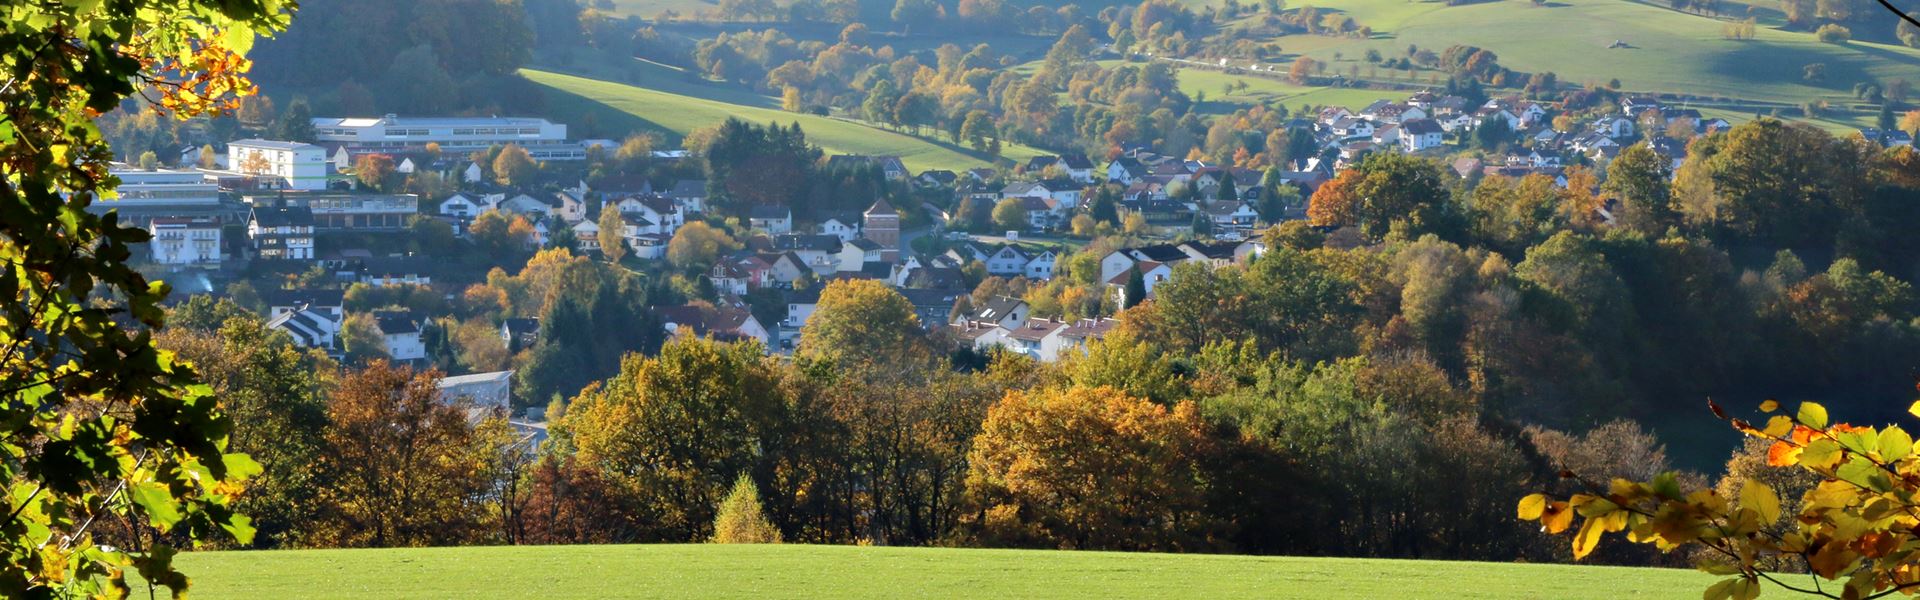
{"x": 1215, "y": 250}
{"x": 1035, "y": 330}
{"x": 801, "y": 241}
{"x": 282, "y": 216}
{"x": 1420, "y": 126}
{"x": 721, "y": 323}
{"x": 881, "y": 207}
{"x": 396, "y": 321}
{"x": 998, "y": 307}
{"x": 688, "y": 188}
{"x": 1161, "y": 252}
{"x": 521, "y": 326}
{"x": 1076, "y": 161}
{"x": 768, "y": 211}
{"x": 935, "y": 298}
{"x": 935, "y": 278}
{"x": 274, "y": 298}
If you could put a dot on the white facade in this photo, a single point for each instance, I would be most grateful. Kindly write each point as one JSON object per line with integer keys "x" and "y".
{"x": 457, "y": 136}
{"x": 293, "y": 165}
{"x": 185, "y": 241}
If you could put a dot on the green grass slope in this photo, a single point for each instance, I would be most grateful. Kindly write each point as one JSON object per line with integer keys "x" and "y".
{"x": 1671, "y": 51}
{"x": 624, "y": 107}
{"x": 791, "y": 571}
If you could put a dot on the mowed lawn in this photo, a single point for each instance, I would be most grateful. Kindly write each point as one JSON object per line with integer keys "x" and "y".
{"x": 677, "y": 114}
{"x": 793, "y": 571}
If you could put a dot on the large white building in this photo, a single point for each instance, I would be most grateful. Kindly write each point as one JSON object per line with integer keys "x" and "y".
{"x": 144, "y": 195}
{"x": 185, "y": 241}
{"x": 281, "y": 165}
{"x": 457, "y": 136}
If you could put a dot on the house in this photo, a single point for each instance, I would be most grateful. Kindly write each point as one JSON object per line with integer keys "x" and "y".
{"x": 310, "y": 327}
{"x": 462, "y": 206}
{"x": 784, "y": 268}
{"x": 281, "y": 165}
{"x": 519, "y": 333}
{"x": 1001, "y": 311}
{"x": 1077, "y": 167}
{"x": 400, "y": 333}
{"x": 662, "y": 214}
{"x": 857, "y": 254}
{"x": 1421, "y": 134}
{"x": 774, "y": 220}
{"x": 1494, "y": 111}
{"x": 526, "y": 206}
{"x": 820, "y": 253}
{"x": 1231, "y": 219}
{"x": 1008, "y": 261}
{"x": 934, "y": 307}
{"x": 979, "y": 336}
{"x": 569, "y": 207}
{"x": 800, "y": 307}
{"x": 1388, "y": 134}
{"x": 1118, "y": 262}
{"x": 1151, "y": 275}
{"x": 586, "y": 235}
{"x": 1348, "y": 127}
{"x": 1618, "y": 128}
{"x": 1222, "y": 253}
{"x": 1037, "y": 338}
{"x": 1076, "y": 336}
{"x": 472, "y": 173}
{"x": 937, "y": 178}
{"x": 1126, "y": 170}
{"x": 846, "y": 228}
{"x": 328, "y": 302}
{"x": 281, "y": 232}
{"x": 388, "y": 271}
{"x": 185, "y": 241}
{"x": 726, "y": 324}
{"x": 689, "y": 194}
{"x": 890, "y": 166}
{"x": 485, "y": 390}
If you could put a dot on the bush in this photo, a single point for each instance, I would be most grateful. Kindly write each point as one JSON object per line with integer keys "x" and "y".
{"x": 740, "y": 519}
{"x": 1833, "y": 34}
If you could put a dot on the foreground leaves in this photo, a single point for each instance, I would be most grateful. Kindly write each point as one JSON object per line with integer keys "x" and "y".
{"x": 1856, "y": 527}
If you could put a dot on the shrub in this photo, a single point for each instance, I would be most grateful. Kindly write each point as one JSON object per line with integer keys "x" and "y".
{"x": 740, "y": 519}
{"x": 1833, "y": 34}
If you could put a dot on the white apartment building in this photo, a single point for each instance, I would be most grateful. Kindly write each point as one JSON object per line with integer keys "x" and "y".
{"x": 185, "y": 241}
{"x": 281, "y": 165}
{"x": 457, "y": 136}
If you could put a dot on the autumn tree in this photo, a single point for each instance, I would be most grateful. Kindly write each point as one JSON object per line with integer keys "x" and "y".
{"x": 740, "y": 518}
{"x": 859, "y": 320}
{"x": 1639, "y": 178}
{"x": 399, "y": 466}
{"x": 673, "y": 432}
{"x": 514, "y": 166}
{"x": 374, "y": 171}
{"x": 696, "y": 245}
{"x": 1010, "y": 214}
{"x": 1089, "y": 468}
{"x": 612, "y": 234}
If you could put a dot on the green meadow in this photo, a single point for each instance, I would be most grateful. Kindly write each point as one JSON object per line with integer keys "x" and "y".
{"x": 796, "y": 571}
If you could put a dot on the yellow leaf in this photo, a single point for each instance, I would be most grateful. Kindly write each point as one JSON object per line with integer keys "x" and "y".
{"x": 1532, "y": 505}
{"x": 1556, "y": 518}
{"x": 1914, "y": 408}
{"x": 1587, "y": 539}
{"x": 1779, "y": 426}
{"x": 1895, "y": 443}
{"x": 1812, "y": 414}
{"x": 1756, "y": 496}
{"x": 1770, "y": 406}
{"x": 1720, "y": 590}
{"x": 1821, "y": 453}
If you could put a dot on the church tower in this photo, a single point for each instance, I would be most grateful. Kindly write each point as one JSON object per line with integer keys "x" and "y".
{"x": 882, "y": 226}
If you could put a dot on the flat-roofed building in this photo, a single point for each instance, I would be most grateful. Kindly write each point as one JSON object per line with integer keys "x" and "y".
{"x": 344, "y": 212}
{"x": 456, "y": 136}
{"x": 144, "y": 195}
{"x": 281, "y": 165}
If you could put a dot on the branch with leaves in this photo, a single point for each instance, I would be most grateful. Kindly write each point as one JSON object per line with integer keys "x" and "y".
{"x": 1857, "y": 532}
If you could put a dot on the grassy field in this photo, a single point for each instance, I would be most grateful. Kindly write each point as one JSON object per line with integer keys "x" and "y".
{"x": 1670, "y": 51}
{"x": 714, "y": 571}
{"x": 623, "y": 107}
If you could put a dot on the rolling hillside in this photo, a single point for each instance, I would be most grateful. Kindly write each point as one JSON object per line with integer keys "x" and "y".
{"x": 625, "y": 107}
{"x": 792, "y": 571}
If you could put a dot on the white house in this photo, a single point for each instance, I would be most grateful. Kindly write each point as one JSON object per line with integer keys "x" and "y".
{"x": 282, "y": 232}
{"x": 1151, "y": 275}
{"x": 185, "y": 241}
{"x": 845, "y": 228}
{"x": 285, "y": 165}
{"x": 1007, "y": 261}
{"x": 400, "y": 332}
{"x": 459, "y": 205}
{"x": 486, "y": 390}
{"x": 309, "y": 327}
{"x": 1421, "y": 134}
{"x": 1040, "y": 266}
{"x": 774, "y": 220}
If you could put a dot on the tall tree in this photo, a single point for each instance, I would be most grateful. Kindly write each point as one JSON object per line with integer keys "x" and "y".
{"x": 612, "y": 234}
